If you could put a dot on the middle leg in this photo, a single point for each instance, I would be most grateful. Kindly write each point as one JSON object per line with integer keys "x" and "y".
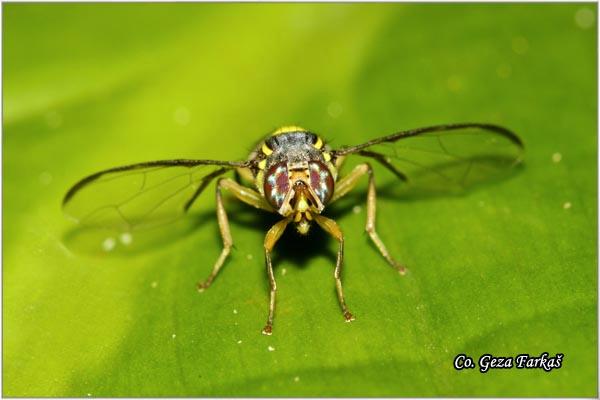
{"x": 349, "y": 182}
{"x": 247, "y": 196}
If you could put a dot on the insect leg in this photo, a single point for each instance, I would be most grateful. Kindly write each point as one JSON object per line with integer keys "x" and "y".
{"x": 225, "y": 235}
{"x": 383, "y": 161}
{"x": 339, "y": 161}
{"x": 334, "y": 230}
{"x": 271, "y": 238}
{"x": 245, "y": 174}
{"x": 345, "y": 185}
{"x": 244, "y": 194}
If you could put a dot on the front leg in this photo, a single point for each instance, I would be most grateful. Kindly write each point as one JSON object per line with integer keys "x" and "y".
{"x": 271, "y": 238}
{"x": 244, "y": 194}
{"x": 349, "y": 182}
{"x": 330, "y": 226}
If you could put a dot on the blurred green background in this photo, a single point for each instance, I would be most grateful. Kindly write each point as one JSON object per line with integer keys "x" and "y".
{"x": 505, "y": 269}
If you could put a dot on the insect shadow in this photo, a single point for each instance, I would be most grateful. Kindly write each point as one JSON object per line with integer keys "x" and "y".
{"x": 293, "y": 247}
{"x": 453, "y": 179}
{"x": 104, "y": 242}
{"x": 429, "y": 184}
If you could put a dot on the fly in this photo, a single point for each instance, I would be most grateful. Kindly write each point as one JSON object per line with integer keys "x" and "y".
{"x": 294, "y": 173}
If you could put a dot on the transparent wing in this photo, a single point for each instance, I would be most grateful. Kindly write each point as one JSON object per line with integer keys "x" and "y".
{"x": 141, "y": 195}
{"x": 445, "y": 157}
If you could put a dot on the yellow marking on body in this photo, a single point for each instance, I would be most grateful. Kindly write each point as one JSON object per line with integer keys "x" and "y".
{"x": 297, "y": 217}
{"x": 326, "y": 156}
{"x": 262, "y": 164}
{"x": 286, "y": 129}
{"x": 319, "y": 143}
{"x": 266, "y": 150}
{"x": 308, "y": 216}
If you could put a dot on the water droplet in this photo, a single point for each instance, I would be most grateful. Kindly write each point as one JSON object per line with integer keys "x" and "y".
{"x": 356, "y": 209}
{"x": 249, "y": 257}
{"x": 556, "y": 157}
{"x": 567, "y": 205}
{"x": 126, "y": 238}
{"x": 109, "y": 244}
{"x": 234, "y": 311}
{"x": 296, "y": 379}
{"x": 173, "y": 336}
{"x": 283, "y": 271}
{"x": 154, "y": 285}
{"x": 584, "y": 18}
{"x": 271, "y": 348}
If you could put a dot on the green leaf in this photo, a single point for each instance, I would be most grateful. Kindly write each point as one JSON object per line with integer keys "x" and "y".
{"x": 506, "y": 268}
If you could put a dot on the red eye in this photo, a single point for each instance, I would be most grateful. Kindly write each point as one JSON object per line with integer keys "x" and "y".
{"x": 277, "y": 184}
{"x": 321, "y": 181}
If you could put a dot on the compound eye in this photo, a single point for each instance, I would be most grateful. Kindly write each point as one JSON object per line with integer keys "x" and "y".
{"x": 321, "y": 180}
{"x": 277, "y": 184}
